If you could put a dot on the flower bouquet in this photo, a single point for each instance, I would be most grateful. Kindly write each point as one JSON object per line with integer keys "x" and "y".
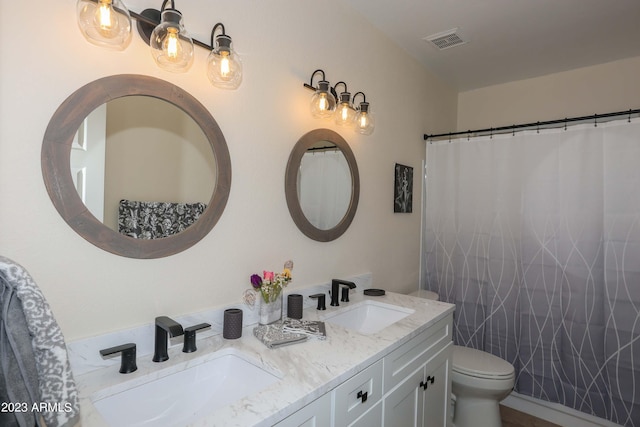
{"x": 270, "y": 286}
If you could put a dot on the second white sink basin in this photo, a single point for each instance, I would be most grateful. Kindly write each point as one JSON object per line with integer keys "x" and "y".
{"x": 368, "y": 317}
{"x": 184, "y": 396}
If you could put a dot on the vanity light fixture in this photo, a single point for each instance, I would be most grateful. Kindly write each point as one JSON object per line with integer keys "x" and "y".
{"x": 224, "y": 67}
{"x": 171, "y": 46}
{"x": 323, "y": 102}
{"x": 323, "y": 105}
{"x": 364, "y": 122}
{"x": 105, "y": 23}
{"x": 345, "y": 113}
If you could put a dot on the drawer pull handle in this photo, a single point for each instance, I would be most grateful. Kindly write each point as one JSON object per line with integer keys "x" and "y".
{"x": 430, "y": 380}
{"x": 363, "y": 396}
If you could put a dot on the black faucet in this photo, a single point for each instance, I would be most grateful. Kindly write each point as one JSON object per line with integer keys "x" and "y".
{"x": 165, "y": 327}
{"x": 127, "y": 356}
{"x": 189, "y": 345}
{"x": 335, "y": 285}
{"x": 321, "y": 301}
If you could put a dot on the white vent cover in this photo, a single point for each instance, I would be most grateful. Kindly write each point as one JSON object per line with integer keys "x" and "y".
{"x": 446, "y": 39}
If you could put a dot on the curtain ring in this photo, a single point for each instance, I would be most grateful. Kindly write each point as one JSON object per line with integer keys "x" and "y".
{"x": 565, "y": 123}
{"x": 629, "y": 119}
{"x": 538, "y": 128}
{"x": 491, "y": 133}
{"x": 595, "y": 120}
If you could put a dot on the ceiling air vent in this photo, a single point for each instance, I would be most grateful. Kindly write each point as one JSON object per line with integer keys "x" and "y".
{"x": 446, "y": 39}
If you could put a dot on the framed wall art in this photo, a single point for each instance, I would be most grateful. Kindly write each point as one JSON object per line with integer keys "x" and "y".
{"x": 403, "y": 189}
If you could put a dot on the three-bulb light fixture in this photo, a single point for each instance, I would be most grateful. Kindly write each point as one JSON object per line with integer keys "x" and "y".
{"x": 326, "y": 103}
{"x": 107, "y": 23}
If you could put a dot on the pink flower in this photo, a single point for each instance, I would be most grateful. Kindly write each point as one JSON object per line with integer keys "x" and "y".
{"x": 268, "y": 275}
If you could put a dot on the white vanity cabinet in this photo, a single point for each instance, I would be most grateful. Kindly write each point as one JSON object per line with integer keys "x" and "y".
{"x": 315, "y": 414}
{"x": 409, "y": 387}
{"x": 359, "y": 395}
{"x": 422, "y": 399}
{"x": 417, "y": 379}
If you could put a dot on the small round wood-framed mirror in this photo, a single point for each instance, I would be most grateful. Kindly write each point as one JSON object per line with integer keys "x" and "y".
{"x": 56, "y": 153}
{"x": 322, "y": 185}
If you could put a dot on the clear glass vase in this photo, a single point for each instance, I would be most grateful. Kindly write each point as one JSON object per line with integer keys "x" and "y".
{"x": 270, "y": 312}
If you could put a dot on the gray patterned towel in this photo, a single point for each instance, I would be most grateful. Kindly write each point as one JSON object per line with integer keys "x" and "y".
{"x": 56, "y": 397}
{"x": 274, "y": 337}
{"x": 313, "y": 328}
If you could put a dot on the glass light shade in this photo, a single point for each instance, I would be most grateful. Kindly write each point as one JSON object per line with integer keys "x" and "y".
{"x": 105, "y": 23}
{"x": 171, "y": 46}
{"x": 345, "y": 113}
{"x": 364, "y": 122}
{"x": 323, "y": 103}
{"x": 224, "y": 67}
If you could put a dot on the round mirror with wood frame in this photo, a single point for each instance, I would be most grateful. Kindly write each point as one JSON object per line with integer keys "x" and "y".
{"x": 306, "y": 142}
{"x": 56, "y": 152}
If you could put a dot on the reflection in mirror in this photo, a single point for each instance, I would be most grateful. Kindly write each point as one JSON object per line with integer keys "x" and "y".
{"x": 140, "y": 152}
{"x": 66, "y": 185}
{"x": 324, "y": 185}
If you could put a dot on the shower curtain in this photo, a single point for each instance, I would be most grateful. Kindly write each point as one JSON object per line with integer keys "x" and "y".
{"x": 535, "y": 237}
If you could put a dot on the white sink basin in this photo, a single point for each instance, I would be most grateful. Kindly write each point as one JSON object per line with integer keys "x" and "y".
{"x": 368, "y": 317}
{"x": 185, "y": 396}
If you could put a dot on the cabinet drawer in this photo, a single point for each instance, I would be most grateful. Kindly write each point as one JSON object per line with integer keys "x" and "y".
{"x": 400, "y": 363}
{"x": 315, "y": 414}
{"x": 357, "y": 395}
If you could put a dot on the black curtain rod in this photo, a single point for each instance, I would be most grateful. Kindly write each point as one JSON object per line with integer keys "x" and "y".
{"x": 536, "y": 124}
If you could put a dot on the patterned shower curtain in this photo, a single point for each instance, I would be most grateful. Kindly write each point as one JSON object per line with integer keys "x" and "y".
{"x": 536, "y": 239}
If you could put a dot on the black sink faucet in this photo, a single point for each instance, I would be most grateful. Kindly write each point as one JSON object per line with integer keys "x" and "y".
{"x": 165, "y": 327}
{"x": 335, "y": 286}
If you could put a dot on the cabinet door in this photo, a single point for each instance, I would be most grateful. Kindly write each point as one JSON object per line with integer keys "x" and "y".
{"x": 315, "y": 414}
{"x": 371, "y": 418}
{"x": 403, "y": 406}
{"x": 436, "y": 393}
{"x": 357, "y": 395}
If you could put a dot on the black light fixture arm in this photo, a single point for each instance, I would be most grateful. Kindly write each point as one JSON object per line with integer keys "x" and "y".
{"x": 213, "y": 31}
{"x": 364, "y": 97}
{"x": 310, "y": 85}
{"x": 335, "y": 87}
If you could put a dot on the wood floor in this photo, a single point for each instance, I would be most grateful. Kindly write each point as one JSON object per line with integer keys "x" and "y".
{"x": 512, "y": 418}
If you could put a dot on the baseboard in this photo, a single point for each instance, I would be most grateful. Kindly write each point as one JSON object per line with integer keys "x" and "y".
{"x": 554, "y": 412}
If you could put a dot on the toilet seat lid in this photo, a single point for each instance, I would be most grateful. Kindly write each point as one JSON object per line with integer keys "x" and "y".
{"x": 477, "y": 363}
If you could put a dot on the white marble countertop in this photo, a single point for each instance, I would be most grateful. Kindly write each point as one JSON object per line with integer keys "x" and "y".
{"x": 307, "y": 370}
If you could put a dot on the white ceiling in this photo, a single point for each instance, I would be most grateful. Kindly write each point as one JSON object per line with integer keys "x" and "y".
{"x": 508, "y": 39}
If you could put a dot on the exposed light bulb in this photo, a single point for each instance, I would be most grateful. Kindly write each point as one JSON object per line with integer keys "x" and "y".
{"x": 106, "y": 20}
{"x": 104, "y": 23}
{"x": 323, "y": 104}
{"x": 224, "y": 67}
{"x": 364, "y": 121}
{"x": 345, "y": 113}
{"x": 171, "y": 44}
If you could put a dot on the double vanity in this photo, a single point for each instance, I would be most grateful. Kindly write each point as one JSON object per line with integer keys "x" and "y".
{"x": 385, "y": 361}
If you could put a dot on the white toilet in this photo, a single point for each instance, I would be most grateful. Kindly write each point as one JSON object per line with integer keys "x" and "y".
{"x": 479, "y": 381}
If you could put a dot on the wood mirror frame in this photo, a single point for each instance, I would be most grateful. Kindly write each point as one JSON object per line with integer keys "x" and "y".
{"x": 307, "y": 141}
{"x": 56, "y": 171}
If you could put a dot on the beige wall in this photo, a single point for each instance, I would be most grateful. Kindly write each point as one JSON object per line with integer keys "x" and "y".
{"x": 92, "y": 291}
{"x": 599, "y": 89}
